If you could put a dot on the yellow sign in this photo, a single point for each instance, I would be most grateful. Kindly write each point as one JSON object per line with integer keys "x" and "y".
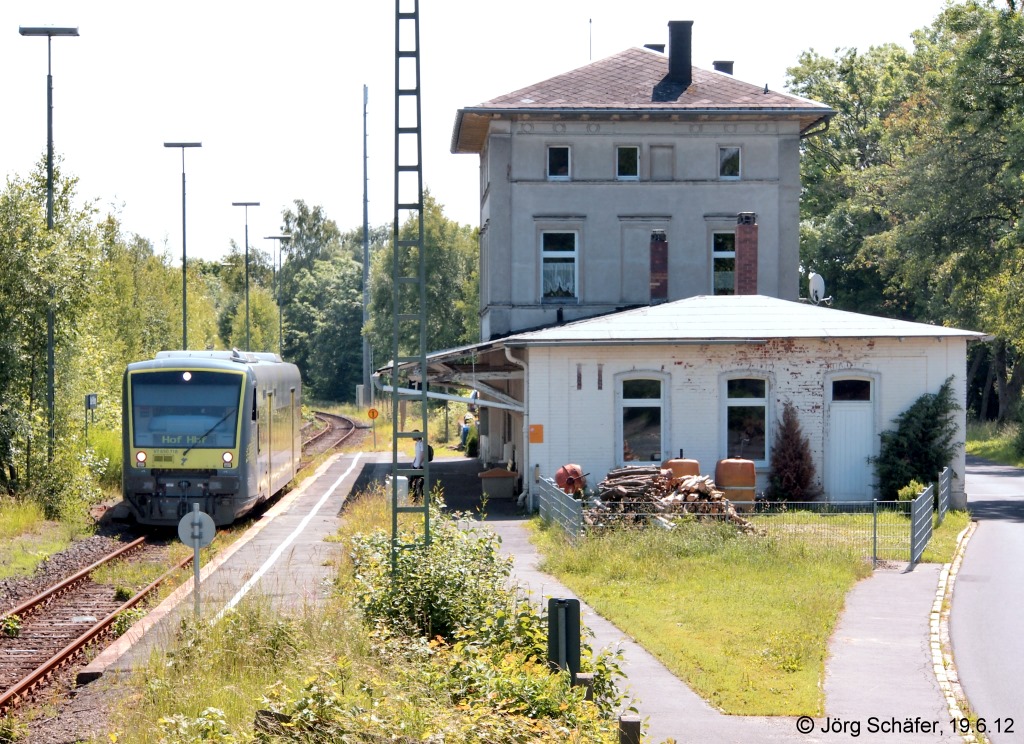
{"x": 373, "y": 413}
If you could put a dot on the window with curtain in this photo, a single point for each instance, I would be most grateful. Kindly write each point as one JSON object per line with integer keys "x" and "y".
{"x": 558, "y": 254}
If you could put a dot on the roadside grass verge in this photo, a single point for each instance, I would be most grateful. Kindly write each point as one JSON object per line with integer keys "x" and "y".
{"x": 744, "y": 621}
{"x": 993, "y": 441}
{"x": 943, "y": 543}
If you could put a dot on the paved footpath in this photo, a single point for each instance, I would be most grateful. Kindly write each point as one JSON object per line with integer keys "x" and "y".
{"x": 879, "y": 665}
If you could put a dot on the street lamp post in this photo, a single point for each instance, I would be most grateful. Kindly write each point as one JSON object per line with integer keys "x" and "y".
{"x": 49, "y": 32}
{"x": 184, "y": 276}
{"x": 246, "y": 205}
{"x": 277, "y": 288}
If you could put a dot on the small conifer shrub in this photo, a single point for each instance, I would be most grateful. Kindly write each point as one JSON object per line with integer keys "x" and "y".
{"x": 921, "y": 445}
{"x": 791, "y": 477}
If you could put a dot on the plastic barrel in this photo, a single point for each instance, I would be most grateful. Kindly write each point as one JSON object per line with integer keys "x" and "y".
{"x": 680, "y": 467}
{"x": 736, "y": 478}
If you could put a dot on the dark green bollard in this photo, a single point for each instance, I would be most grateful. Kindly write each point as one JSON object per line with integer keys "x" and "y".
{"x": 564, "y": 634}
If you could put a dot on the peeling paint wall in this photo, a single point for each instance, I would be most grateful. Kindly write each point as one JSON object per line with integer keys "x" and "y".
{"x": 579, "y": 416}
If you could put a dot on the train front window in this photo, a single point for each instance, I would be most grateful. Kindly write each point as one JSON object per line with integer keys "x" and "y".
{"x": 195, "y": 409}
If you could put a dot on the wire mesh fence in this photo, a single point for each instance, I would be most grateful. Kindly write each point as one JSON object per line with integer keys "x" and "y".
{"x": 880, "y": 530}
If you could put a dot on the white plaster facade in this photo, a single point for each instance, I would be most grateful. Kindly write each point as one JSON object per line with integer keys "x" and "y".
{"x": 675, "y": 123}
{"x": 569, "y": 380}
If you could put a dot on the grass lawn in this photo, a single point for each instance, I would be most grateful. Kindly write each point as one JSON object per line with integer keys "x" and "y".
{"x": 744, "y": 621}
{"x": 716, "y": 608}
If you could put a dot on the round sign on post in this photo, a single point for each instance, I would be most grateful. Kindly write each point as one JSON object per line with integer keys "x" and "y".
{"x": 198, "y": 530}
{"x": 373, "y": 413}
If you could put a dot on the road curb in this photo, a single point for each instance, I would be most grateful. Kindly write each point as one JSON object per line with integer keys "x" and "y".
{"x": 942, "y": 649}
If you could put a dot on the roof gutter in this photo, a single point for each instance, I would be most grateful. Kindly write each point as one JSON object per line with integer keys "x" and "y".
{"x": 511, "y": 343}
{"x": 823, "y": 114}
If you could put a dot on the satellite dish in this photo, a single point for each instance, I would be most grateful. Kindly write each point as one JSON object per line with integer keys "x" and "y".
{"x": 816, "y": 287}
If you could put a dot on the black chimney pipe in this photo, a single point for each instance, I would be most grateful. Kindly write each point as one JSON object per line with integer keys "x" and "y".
{"x": 679, "y": 51}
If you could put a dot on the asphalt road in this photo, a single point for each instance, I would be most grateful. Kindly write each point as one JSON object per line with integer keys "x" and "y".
{"x": 987, "y": 616}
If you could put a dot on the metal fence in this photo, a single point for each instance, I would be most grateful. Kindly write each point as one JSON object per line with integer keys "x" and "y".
{"x": 559, "y": 507}
{"x": 945, "y": 493}
{"x": 921, "y": 522}
{"x": 881, "y": 530}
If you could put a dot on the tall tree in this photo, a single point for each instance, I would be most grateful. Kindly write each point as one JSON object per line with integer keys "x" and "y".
{"x": 452, "y": 266}
{"x": 865, "y": 89}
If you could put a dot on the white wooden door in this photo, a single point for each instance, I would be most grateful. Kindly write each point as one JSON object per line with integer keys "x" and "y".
{"x": 849, "y": 442}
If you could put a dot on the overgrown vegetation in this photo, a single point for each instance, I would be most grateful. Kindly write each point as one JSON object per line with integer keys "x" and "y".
{"x": 27, "y": 537}
{"x": 336, "y": 672}
{"x": 922, "y": 443}
{"x": 791, "y": 477}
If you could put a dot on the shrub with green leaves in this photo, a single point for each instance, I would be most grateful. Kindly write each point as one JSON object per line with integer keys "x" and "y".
{"x": 923, "y": 442}
{"x": 487, "y": 646}
{"x": 10, "y": 626}
{"x": 910, "y": 491}
{"x": 126, "y": 619}
{"x": 452, "y": 584}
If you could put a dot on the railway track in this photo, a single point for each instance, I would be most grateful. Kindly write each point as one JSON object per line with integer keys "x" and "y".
{"x": 335, "y": 431}
{"x": 47, "y": 631}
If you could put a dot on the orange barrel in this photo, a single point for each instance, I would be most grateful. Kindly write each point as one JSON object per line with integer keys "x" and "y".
{"x": 736, "y": 478}
{"x": 680, "y": 467}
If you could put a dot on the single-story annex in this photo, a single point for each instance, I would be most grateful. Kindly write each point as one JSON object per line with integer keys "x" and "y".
{"x": 707, "y": 378}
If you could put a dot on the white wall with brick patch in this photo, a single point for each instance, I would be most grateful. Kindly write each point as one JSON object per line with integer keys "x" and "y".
{"x": 572, "y": 392}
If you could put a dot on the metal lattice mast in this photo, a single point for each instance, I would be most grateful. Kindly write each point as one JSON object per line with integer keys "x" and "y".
{"x": 409, "y": 270}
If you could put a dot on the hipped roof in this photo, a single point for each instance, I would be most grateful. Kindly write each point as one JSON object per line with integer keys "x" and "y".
{"x": 635, "y": 82}
{"x": 730, "y": 319}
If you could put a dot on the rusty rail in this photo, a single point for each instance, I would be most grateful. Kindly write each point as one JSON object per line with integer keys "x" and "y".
{"x": 16, "y": 693}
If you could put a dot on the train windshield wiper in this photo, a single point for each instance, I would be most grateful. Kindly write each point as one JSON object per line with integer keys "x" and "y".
{"x": 206, "y": 434}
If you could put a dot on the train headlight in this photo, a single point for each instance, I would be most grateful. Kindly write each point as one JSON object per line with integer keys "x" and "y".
{"x": 228, "y": 458}
{"x": 140, "y": 459}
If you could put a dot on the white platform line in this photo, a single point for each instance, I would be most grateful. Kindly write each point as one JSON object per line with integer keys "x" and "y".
{"x": 288, "y": 541}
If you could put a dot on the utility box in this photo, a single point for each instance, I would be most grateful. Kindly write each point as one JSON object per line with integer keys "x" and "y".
{"x": 498, "y": 483}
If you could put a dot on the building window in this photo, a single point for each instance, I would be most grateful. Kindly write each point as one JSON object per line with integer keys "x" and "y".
{"x": 746, "y": 419}
{"x": 558, "y": 252}
{"x": 851, "y": 389}
{"x": 558, "y": 163}
{"x": 723, "y": 263}
{"x": 641, "y": 419}
{"x": 627, "y": 163}
{"x": 729, "y": 162}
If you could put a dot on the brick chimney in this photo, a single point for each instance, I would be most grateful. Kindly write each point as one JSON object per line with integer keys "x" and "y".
{"x": 746, "y": 253}
{"x": 679, "y": 52}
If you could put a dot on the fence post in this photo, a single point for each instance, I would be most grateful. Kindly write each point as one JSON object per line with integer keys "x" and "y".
{"x": 874, "y": 533}
{"x": 629, "y": 729}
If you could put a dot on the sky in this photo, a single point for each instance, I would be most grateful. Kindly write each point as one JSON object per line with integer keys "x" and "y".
{"x": 275, "y": 93}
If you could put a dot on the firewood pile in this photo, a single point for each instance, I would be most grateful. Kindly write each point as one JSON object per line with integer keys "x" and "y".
{"x": 637, "y": 494}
